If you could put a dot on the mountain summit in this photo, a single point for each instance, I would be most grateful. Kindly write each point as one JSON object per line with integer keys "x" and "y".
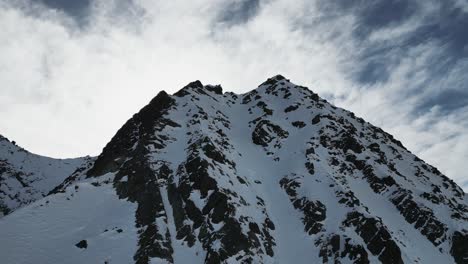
{"x": 275, "y": 175}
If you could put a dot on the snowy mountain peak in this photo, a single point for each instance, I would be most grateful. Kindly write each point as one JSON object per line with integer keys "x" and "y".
{"x": 275, "y": 175}
{"x": 279, "y": 83}
{"x": 274, "y": 80}
{"x": 196, "y": 87}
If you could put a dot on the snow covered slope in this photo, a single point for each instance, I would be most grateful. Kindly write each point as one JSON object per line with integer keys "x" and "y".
{"x": 276, "y": 175}
{"x": 48, "y": 230}
{"x": 26, "y": 177}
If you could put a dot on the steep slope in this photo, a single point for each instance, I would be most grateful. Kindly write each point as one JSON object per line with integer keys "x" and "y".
{"x": 276, "y": 175}
{"x": 26, "y": 177}
{"x": 87, "y": 224}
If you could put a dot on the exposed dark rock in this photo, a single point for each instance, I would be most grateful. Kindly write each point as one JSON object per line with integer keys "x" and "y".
{"x": 195, "y": 85}
{"x": 421, "y": 217}
{"x": 262, "y": 105}
{"x": 376, "y": 236}
{"x": 82, "y": 244}
{"x": 377, "y": 184}
{"x": 126, "y": 153}
{"x": 218, "y": 205}
{"x": 153, "y": 241}
{"x": 291, "y": 108}
{"x": 314, "y": 212}
{"x": 212, "y": 152}
{"x": 217, "y": 89}
{"x": 121, "y": 145}
{"x": 298, "y": 124}
{"x": 310, "y": 167}
{"x": 459, "y": 247}
{"x": 332, "y": 251}
{"x": 265, "y": 132}
{"x": 359, "y": 164}
{"x": 219, "y": 209}
{"x": 316, "y": 120}
{"x": 347, "y": 142}
{"x": 431, "y": 197}
{"x": 374, "y": 147}
{"x": 348, "y": 198}
{"x": 197, "y": 169}
{"x": 274, "y": 80}
{"x": 248, "y": 97}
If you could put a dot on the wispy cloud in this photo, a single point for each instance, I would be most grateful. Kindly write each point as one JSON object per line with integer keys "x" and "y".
{"x": 72, "y": 74}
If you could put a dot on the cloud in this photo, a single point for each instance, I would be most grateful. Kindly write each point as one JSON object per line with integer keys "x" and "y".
{"x": 71, "y": 74}
{"x": 239, "y": 12}
{"x": 77, "y": 9}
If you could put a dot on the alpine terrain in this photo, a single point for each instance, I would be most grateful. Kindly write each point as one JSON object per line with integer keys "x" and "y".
{"x": 275, "y": 175}
{"x": 26, "y": 177}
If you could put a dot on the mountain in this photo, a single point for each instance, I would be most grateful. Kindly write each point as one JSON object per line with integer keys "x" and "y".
{"x": 26, "y": 177}
{"x": 275, "y": 175}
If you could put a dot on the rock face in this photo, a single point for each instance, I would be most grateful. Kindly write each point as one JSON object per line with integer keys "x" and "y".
{"x": 276, "y": 175}
{"x": 26, "y": 177}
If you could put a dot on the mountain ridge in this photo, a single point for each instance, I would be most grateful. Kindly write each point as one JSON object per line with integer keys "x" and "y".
{"x": 26, "y": 177}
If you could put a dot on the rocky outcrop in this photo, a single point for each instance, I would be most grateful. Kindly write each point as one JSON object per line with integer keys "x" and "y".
{"x": 127, "y": 156}
{"x": 376, "y": 236}
{"x": 313, "y": 212}
{"x": 265, "y": 132}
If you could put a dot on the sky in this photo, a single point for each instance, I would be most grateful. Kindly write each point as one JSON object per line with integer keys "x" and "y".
{"x": 72, "y": 72}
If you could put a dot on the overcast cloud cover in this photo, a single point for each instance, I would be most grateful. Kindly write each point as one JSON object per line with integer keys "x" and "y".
{"x": 72, "y": 72}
